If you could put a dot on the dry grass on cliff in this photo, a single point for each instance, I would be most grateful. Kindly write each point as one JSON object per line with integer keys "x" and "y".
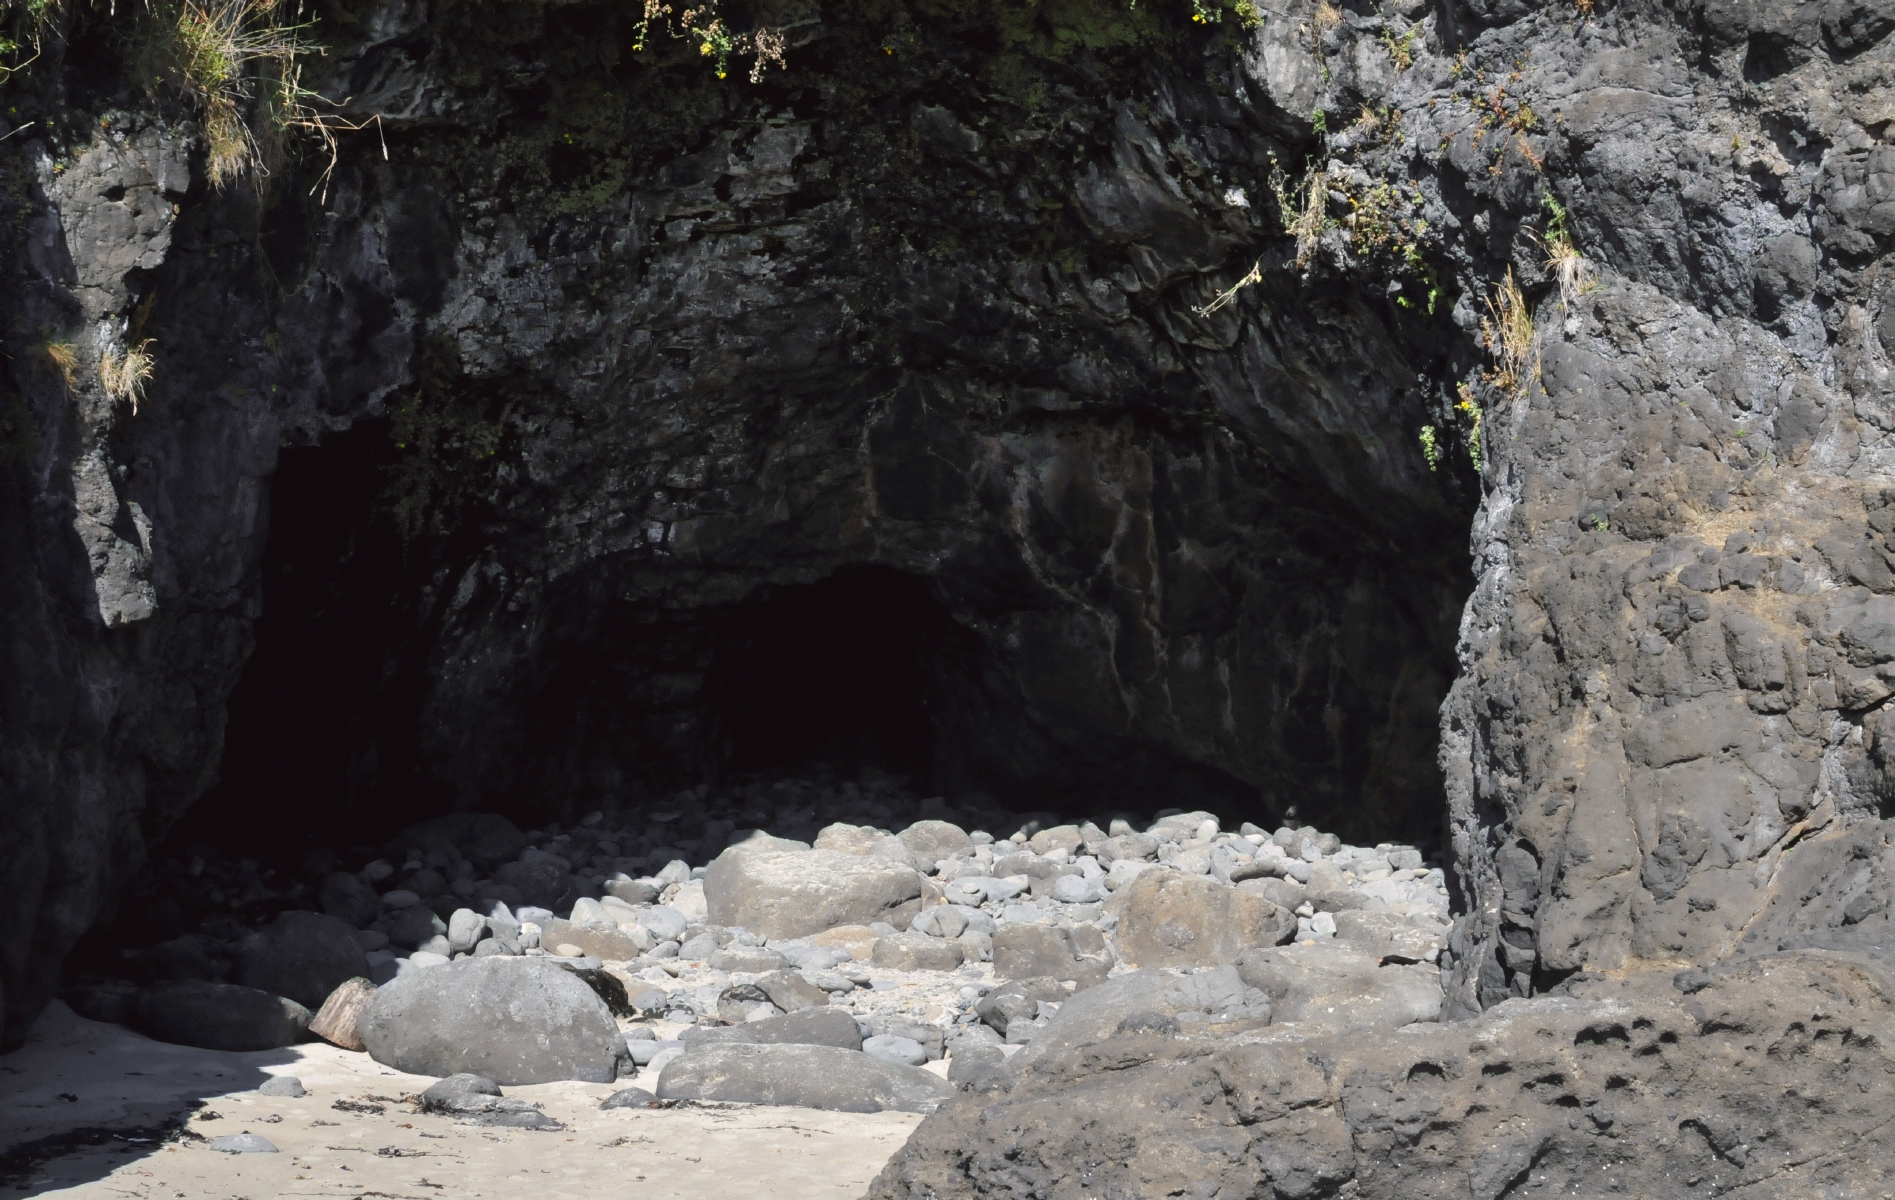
{"x": 1507, "y": 333}
{"x": 63, "y": 358}
{"x": 237, "y": 60}
{"x": 123, "y": 376}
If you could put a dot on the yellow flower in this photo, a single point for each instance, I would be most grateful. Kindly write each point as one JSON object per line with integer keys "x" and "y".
{"x": 705, "y": 49}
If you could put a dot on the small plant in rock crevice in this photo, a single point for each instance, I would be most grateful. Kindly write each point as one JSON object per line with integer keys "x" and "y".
{"x": 1507, "y": 334}
{"x": 123, "y": 376}
{"x": 1401, "y": 50}
{"x": 1470, "y": 408}
{"x": 63, "y": 358}
{"x": 1568, "y": 266}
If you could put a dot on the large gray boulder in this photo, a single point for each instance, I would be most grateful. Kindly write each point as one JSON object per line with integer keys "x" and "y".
{"x": 781, "y": 889}
{"x": 302, "y": 955}
{"x": 1769, "y": 1079}
{"x": 218, "y": 1016}
{"x": 933, "y": 840}
{"x": 801, "y": 1076}
{"x": 511, "y": 1020}
{"x": 1171, "y": 919}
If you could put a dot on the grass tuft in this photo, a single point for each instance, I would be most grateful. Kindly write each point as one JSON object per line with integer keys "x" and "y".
{"x": 1564, "y": 262}
{"x": 63, "y": 358}
{"x": 1507, "y": 333}
{"x": 124, "y": 375}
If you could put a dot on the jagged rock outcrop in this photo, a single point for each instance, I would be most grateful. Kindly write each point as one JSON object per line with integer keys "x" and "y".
{"x": 1748, "y": 1083}
{"x": 646, "y": 344}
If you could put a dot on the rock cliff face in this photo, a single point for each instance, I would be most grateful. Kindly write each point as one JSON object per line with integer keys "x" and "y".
{"x": 633, "y": 347}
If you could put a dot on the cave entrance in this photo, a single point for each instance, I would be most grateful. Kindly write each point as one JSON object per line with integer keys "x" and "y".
{"x": 841, "y": 672}
{"x": 325, "y": 703}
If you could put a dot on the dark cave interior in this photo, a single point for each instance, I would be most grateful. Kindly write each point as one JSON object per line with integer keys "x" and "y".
{"x": 324, "y": 724}
{"x": 863, "y": 672}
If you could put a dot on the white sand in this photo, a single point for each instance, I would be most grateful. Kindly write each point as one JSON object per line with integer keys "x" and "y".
{"x": 119, "y": 1079}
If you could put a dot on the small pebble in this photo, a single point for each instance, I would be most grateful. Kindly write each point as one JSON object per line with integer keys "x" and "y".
{"x": 282, "y": 1085}
{"x": 243, "y": 1143}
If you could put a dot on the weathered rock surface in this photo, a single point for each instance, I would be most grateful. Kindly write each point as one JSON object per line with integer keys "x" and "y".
{"x": 339, "y": 1018}
{"x": 1765, "y": 1078}
{"x": 513, "y": 1021}
{"x": 786, "y": 891}
{"x": 1170, "y": 919}
{"x": 802, "y": 1076}
{"x": 1149, "y": 550}
{"x": 636, "y": 386}
{"x": 1341, "y": 988}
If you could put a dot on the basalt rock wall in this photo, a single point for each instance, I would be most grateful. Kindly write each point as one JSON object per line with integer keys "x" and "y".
{"x": 645, "y": 344}
{"x": 936, "y": 297}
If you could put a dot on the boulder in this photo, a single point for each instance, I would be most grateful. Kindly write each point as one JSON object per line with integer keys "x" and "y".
{"x": 1171, "y": 919}
{"x": 1046, "y": 951}
{"x": 1389, "y": 938}
{"x": 978, "y": 1068}
{"x": 809, "y": 1026}
{"x": 845, "y": 838}
{"x": 412, "y": 926}
{"x": 917, "y": 952}
{"x": 932, "y": 841}
{"x": 191, "y": 957}
{"x": 1017, "y": 1000}
{"x": 1064, "y": 838}
{"x": 1213, "y": 1001}
{"x": 219, "y": 1016}
{"x": 951, "y": 921}
{"x": 801, "y": 1076}
{"x": 513, "y": 1020}
{"x": 789, "y": 991}
{"x": 302, "y": 955}
{"x": 348, "y": 899}
{"x": 663, "y": 922}
{"x": 1631, "y": 1087}
{"x": 929, "y": 1037}
{"x": 610, "y": 943}
{"x": 1333, "y": 985}
{"x": 896, "y": 1049}
{"x": 633, "y": 891}
{"x": 466, "y": 929}
{"x": 779, "y": 889}
{"x": 751, "y": 959}
{"x": 341, "y": 1013}
{"x": 631, "y": 1097}
{"x": 857, "y": 940}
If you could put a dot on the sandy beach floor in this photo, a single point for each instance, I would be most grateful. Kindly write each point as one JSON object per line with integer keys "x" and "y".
{"x": 356, "y": 1135}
